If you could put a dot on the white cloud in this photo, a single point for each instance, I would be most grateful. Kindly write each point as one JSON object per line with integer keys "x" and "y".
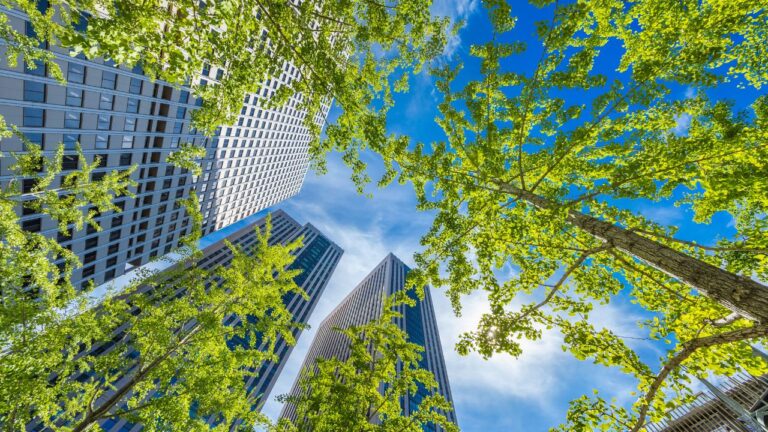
{"x": 455, "y": 10}
{"x": 665, "y": 215}
{"x": 682, "y": 123}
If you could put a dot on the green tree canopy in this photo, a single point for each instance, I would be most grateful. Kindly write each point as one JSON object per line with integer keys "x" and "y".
{"x": 159, "y": 353}
{"x": 537, "y": 169}
{"x": 364, "y": 391}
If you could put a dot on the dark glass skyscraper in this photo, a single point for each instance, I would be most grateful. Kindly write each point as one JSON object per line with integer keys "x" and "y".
{"x": 363, "y": 305}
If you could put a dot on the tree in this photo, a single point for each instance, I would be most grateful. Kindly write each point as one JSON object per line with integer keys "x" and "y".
{"x": 364, "y": 391}
{"x": 164, "y": 352}
{"x": 353, "y": 52}
{"x": 541, "y": 169}
{"x": 154, "y": 352}
{"x": 33, "y": 287}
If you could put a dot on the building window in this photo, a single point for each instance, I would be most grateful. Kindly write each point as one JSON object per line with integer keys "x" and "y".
{"x": 34, "y": 91}
{"x": 72, "y": 120}
{"x": 127, "y": 142}
{"x": 76, "y": 73}
{"x": 106, "y": 102}
{"x": 108, "y": 80}
{"x": 70, "y": 141}
{"x": 133, "y": 106}
{"x": 116, "y": 222}
{"x": 69, "y": 162}
{"x": 64, "y": 236}
{"x": 102, "y": 142}
{"x": 89, "y": 257}
{"x": 113, "y": 248}
{"x": 74, "y": 98}
{"x": 135, "y": 86}
{"x": 27, "y": 185}
{"x": 102, "y": 158}
{"x": 34, "y": 117}
{"x": 109, "y": 274}
{"x": 104, "y": 122}
{"x": 92, "y": 242}
{"x": 130, "y": 124}
{"x": 32, "y": 225}
{"x": 35, "y": 138}
{"x": 125, "y": 159}
{"x": 114, "y": 235}
{"x": 88, "y": 271}
{"x": 36, "y": 68}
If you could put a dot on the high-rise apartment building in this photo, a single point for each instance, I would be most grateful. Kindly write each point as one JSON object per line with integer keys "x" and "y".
{"x": 121, "y": 117}
{"x": 317, "y": 259}
{"x": 736, "y": 404}
{"x": 363, "y": 305}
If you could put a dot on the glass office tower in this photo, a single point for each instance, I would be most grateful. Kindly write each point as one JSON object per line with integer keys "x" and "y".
{"x": 363, "y": 305}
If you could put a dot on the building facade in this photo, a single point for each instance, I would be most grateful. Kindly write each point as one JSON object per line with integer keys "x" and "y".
{"x": 317, "y": 258}
{"x": 737, "y": 404}
{"x": 363, "y": 305}
{"x": 122, "y": 118}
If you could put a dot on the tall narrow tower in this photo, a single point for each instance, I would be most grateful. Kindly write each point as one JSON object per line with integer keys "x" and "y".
{"x": 363, "y": 305}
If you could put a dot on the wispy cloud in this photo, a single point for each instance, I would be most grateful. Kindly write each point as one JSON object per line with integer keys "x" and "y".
{"x": 455, "y": 11}
{"x": 663, "y": 214}
{"x": 682, "y": 124}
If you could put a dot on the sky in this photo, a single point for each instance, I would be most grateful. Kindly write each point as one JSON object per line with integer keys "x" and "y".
{"x": 528, "y": 393}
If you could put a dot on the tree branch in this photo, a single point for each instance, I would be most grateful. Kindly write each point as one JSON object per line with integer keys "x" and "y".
{"x": 688, "y": 349}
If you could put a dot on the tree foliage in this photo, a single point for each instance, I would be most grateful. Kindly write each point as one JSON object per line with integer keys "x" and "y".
{"x": 32, "y": 286}
{"x": 153, "y": 352}
{"x": 364, "y": 391}
{"x": 544, "y": 169}
{"x": 164, "y": 352}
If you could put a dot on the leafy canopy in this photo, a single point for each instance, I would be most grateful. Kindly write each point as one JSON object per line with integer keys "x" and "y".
{"x": 540, "y": 169}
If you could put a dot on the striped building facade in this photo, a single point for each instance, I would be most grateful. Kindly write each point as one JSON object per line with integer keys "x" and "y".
{"x": 122, "y": 118}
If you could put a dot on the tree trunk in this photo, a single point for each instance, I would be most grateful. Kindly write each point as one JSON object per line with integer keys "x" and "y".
{"x": 738, "y": 293}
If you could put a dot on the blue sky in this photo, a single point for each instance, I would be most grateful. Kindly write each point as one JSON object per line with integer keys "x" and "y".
{"x": 529, "y": 393}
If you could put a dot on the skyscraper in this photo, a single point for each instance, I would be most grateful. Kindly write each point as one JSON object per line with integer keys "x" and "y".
{"x": 120, "y": 116}
{"x": 363, "y": 305}
{"x": 317, "y": 259}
